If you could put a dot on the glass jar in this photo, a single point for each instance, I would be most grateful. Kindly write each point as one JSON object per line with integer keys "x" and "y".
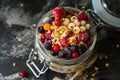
{"x": 58, "y": 64}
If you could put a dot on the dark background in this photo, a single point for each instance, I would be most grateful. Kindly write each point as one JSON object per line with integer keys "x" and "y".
{"x": 16, "y": 21}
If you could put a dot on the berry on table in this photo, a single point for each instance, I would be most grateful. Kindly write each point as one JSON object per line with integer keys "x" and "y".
{"x": 23, "y": 74}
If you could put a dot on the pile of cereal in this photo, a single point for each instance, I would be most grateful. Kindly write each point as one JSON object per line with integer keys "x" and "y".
{"x": 65, "y": 33}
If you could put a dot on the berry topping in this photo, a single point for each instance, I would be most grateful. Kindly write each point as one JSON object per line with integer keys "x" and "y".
{"x": 23, "y": 74}
{"x": 48, "y": 35}
{"x": 53, "y": 53}
{"x": 83, "y": 16}
{"x": 75, "y": 55}
{"x": 73, "y": 48}
{"x": 57, "y": 22}
{"x": 82, "y": 37}
{"x": 42, "y": 39}
{"x": 68, "y": 52}
{"x": 46, "y": 26}
{"x": 83, "y": 48}
{"x": 59, "y": 12}
{"x": 56, "y": 48}
{"x": 48, "y": 45}
{"x": 64, "y": 41}
{"x": 62, "y": 54}
{"x": 41, "y": 29}
{"x": 89, "y": 42}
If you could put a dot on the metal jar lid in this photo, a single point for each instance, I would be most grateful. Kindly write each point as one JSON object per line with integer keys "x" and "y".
{"x": 108, "y": 11}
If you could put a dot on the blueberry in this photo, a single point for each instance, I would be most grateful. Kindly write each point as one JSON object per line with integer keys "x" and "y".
{"x": 41, "y": 29}
{"x": 73, "y": 48}
{"x": 68, "y": 52}
{"x": 48, "y": 45}
{"x": 62, "y": 54}
{"x": 83, "y": 48}
{"x": 54, "y": 53}
{"x": 79, "y": 49}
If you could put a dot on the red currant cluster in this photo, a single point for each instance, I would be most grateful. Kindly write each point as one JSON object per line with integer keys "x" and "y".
{"x": 65, "y": 33}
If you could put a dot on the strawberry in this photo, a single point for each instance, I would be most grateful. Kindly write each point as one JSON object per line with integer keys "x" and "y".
{"x": 59, "y": 12}
{"x": 82, "y": 16}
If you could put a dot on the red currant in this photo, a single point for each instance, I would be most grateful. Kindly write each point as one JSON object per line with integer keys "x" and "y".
{"x": 23, "y": 74}
{"x": 57, "y": 22}
{"x": 75, "y": 55}
{"x": 42, "y": 39}
{"x": 56, "y": 47}
{"x": 89, "y": 42}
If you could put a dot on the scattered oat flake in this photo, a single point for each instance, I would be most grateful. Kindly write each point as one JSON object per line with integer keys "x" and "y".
{"x": 35, "y": 58}
{"x": 107, "y": 64}
{"x": 21, "y": 4}
{"x": 79, "y": 74}
{"x": 14, "y": 64}
{"x": 19, "y": 39}
{"x": 117, "y": 45}
{"x": 34, "y": 25}
{"x": 96, "y": 68}
{"x": 56, "y": 78}
{"x": 92, "y": 79}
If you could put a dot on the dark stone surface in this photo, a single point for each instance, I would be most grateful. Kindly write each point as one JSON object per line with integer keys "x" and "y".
{"x": 16, "y": 22}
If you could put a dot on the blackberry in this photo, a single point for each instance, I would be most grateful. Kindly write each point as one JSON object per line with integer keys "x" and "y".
{"x": 41, "y": 29}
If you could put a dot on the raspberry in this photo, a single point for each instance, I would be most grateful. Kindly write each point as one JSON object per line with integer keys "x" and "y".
{"x": 59, "y": 12}
{"x": 57, "y": 22}
{"x": 64, "y": 41}
{"x": 82, "y": 37}
{"x": 48, "y": 35}
{"x": 75, "y": 55}
{"x": 56, "y": 47}
{"x": 83, "y": 16}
